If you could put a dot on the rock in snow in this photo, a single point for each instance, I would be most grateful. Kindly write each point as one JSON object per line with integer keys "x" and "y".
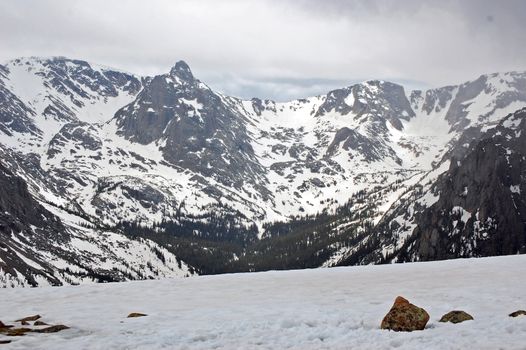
{"x": 405, "y": 317}
{"x": 51, "y": 329}
{"x": 17, "y": 332}
{"x": 456, "y": 316}
{"x": 518, "y": 313}
{"x": 29, "y": 318}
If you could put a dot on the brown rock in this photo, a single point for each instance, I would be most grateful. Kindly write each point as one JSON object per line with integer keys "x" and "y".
{"x": 24, "y": 323}
{"x": 29, "y": 318}
{"x": 456, "y": 316}
{"x": 4, "y": 327}
{"x": 136, "y": 314}
{"x": 405, "y": 317}
{"x": 518, "y": 313}
{"x": 17, "y": 332}
{"x": 40, "y": 323}
{"x": 51, "y": 329}
{"x": 5, "y": 341}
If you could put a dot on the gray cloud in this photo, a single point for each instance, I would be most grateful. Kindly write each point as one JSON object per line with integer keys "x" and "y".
{"x": 278, "y": 49}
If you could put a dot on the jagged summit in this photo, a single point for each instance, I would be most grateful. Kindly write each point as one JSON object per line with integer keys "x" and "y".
{"x": 182, "y": 71}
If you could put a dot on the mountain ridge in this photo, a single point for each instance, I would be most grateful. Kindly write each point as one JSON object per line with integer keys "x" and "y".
{"x": 167, "y": 153}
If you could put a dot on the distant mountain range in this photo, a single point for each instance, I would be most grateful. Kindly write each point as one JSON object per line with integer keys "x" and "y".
{"x": 108, "y": 176}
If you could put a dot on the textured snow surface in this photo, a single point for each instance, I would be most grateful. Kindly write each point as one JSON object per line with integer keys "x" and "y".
{"x": 339, "y": 308}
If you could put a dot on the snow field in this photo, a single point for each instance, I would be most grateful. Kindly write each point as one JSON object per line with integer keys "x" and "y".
{"x": 338, "y": 308}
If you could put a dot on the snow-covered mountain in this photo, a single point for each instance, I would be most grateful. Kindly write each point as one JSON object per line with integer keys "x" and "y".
{"x": 102, "y": 147}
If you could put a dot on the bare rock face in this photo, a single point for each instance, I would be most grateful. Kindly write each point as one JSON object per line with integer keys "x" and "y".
{"x": 405, "y": 317}
{"x": 518, "y": 313}
{"x": 456, "y": 316}
{"x": 481, "y": 200}
{"x": 136, "y": 314}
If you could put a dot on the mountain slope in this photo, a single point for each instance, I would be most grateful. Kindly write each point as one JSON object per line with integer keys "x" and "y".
{"x": 481, "y": 210}
{"x": 168, "y": 157}
{"x": 38, "y": 247}
{"x": 468, "y": 206}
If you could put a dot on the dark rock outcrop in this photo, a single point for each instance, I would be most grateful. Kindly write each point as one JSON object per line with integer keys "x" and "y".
{"x": 23, "y": 219}
{"x": 197, "y": 128}
{"x": 482, "y": 203}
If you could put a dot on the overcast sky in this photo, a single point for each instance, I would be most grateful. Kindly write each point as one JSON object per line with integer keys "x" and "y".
{"x": 279, "y": 49}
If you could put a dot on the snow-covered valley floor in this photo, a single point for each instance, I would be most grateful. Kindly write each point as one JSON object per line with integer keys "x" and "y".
{"x": 339, "y": 308}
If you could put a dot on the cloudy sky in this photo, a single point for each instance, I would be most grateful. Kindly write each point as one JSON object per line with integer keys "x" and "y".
{"x": 278, "y": 49}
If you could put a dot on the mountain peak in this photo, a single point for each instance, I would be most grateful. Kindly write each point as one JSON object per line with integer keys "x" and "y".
{"x": 182, "y": 71}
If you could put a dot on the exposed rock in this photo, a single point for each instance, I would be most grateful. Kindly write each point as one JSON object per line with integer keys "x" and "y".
{"x": 24, "y": 323}
{"x": 29, "y": 318}
{"x": 17, "y": 332}
{"x": 405, "y": 317}
{"x": 5, "y": 341}
{"x": 456, "y": 317}
{"x": 136, "y": 314}
{"x": 21, "y": 213}
{"x": 481, "y": 203}
{"x": 40, "y": 323}
{"x": 51, "y": 329}
{"x": 3, "y": 326}
{"x": 518, "y": 313}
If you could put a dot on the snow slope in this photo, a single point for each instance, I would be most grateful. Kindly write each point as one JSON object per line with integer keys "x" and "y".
{"x": 339, "y": 308}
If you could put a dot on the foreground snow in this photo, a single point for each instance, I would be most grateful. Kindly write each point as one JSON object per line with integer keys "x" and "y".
{"x": 339, "y": 308}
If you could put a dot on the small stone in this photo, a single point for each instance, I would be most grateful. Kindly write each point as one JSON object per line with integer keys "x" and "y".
{"x": 40, "y": 323}
{"x": 17, "y": 332}
{"x": 456, "y": 316}
{"x": 29, "y": 318}
{"x": 405, "y": 317}
{"x": 518, "y": 313}
{"x": 5, "y": 341}
{"x": 136, "y": 314}
{"x": 24, "y": 323}
{"x": 51, "y": 329}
